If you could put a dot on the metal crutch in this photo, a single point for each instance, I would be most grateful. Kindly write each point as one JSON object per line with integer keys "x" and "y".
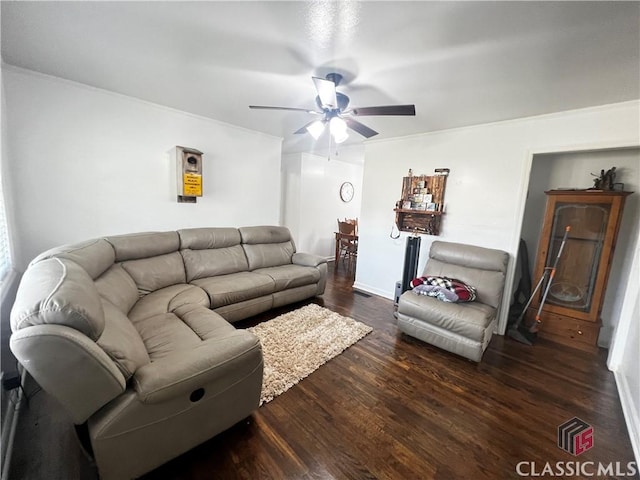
{"x": 535, "y": 326}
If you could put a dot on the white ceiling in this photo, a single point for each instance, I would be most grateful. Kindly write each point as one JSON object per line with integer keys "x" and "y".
{"x": 460, "y": 63}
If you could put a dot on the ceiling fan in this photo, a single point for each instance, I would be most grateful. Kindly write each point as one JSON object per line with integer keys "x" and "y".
{"x": 334, "y": 111}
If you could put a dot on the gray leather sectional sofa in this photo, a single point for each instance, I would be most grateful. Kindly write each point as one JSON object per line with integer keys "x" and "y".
{"x": 132, "y": 334}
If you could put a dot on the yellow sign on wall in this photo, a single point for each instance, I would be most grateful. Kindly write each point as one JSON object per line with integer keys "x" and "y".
{"x": 192, "y": 184}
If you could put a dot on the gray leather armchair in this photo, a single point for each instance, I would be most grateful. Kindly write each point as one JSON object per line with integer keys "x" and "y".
{"x": 461, "y": 328}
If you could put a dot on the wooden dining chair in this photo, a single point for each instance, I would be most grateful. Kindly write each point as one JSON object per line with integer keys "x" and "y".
{"x": 348, "y": 241}
{"x": 354, "y": 221}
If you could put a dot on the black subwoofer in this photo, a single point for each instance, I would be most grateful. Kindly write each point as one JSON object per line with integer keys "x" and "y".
{"x": 411, "y": 254}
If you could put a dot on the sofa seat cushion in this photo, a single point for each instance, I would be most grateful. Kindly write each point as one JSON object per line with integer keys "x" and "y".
{"x": 290, "y": 276}
{"x": 183, "y": 329}
{"x": 166, "y": 300}
{"x": 218, "y": 366}
{"x": 235, "y": 287}
{"x": 469, "y": 320}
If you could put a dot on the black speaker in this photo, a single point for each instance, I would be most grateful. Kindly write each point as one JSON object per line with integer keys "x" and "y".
{"x": 411, "y": 254}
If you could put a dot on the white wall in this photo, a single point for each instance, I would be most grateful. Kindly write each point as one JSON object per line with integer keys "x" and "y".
{"x": 291, "y": 176}
{"x": 312, "y": 205}
{"x": 624, "y": 356}
{"x": 573, "y": 170}
{"x": 85, "y": 162}
{"x": 628, "y": 376}
{"x": 486, "y": 190}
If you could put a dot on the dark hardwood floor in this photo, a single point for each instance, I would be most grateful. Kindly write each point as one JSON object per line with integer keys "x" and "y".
{"x": 389, "y": 407}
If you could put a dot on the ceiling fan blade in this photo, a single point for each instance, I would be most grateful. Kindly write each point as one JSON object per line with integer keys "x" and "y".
{"x": 304, "y": 129}
{"x": 386, "y": 110}
{"x": 361, "y": 128}
{"x": 327, "y": 92}
{"x": 263, "y": 107}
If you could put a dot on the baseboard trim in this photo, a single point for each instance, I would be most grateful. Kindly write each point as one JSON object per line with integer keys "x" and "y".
{"x": 375, "y": 291}
{"x": 631, "y": 415}
{"x": 9, "y": 426}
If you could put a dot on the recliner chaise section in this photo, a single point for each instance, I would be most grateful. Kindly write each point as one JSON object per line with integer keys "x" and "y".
{"x": 461, "y": 328}
{"x": 132, "y": 334}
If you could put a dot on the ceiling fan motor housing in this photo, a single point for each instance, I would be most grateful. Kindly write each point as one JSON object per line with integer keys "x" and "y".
{"x": 336, "y": 78}
{"x": 343, "y": 103}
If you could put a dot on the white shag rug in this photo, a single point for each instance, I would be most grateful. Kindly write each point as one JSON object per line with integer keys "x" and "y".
{"x": 297, "y": 343}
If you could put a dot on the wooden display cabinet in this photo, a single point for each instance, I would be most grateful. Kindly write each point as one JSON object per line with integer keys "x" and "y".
{"x": 571, "y": 312}
{"x": 413, "y": 212}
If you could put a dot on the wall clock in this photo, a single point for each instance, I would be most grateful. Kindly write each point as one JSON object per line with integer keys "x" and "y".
{"x": 346, "y": 192}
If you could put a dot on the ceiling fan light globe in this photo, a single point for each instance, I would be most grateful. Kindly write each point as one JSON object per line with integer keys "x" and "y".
{"x": 316, "y": 129}
{"x": 337, "y": 126}
{"x": 340, "y": 137}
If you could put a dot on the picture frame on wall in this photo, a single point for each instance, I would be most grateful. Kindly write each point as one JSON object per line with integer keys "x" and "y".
{"x": 431, "y": 207}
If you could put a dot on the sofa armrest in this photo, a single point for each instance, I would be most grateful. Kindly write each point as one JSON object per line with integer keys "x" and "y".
{"x": 307, "y": 259}
{"x": 216, "y": 364}
{"x": 70, "y": 367}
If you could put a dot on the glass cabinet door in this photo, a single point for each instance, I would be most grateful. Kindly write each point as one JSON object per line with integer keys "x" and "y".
{"x": 577, "y": 270}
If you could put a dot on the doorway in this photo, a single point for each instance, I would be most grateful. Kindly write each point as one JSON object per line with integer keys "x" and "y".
{"x": 577, "y": 170}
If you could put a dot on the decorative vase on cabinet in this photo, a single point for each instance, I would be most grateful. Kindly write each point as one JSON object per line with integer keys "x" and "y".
{"x": 572, "y": 308}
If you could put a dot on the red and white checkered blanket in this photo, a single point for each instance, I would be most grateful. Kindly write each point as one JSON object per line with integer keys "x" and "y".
{"x": 464, "y": 292}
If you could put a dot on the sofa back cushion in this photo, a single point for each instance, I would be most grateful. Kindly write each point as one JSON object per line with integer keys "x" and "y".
{"x": 60, "y": 292}
{"x": 151, "y": 274}
{"x": 116, "y": 286}
{"x": 482, "y": 268}
{"x": 151, "y": 259}
{"x": 121, "y": 341}
{"x": 267, "y": 246}
{"x": 95, "y": 256}
{"x": 208, "y": 252}
{"x": 144, "y": 245}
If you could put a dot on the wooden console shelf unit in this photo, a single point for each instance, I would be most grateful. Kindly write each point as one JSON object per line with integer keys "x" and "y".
{"x": 425, "y": 196}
